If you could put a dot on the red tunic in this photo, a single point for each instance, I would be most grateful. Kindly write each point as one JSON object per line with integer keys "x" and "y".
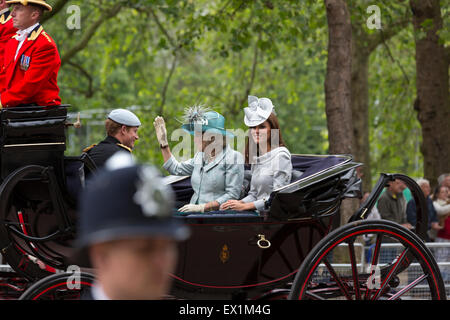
{"x": 32, "y": 77}
{"x": 7, "y": 30}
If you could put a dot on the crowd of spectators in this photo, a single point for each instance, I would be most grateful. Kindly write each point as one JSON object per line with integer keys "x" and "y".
{"x": 392, "y": 205}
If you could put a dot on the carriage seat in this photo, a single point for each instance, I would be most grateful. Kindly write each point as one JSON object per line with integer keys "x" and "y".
{"x": 304, "y": 166}
{"x": 221, "y": 217}
{"x": 32, "y": 136}
{"x": 318, "y": 190}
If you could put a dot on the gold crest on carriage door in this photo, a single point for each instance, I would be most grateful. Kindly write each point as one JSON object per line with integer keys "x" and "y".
{"x": 224, "y": 254}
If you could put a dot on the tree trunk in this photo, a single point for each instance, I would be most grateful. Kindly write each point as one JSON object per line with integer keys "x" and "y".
{"x": 360, "y": 111}
{"x": 432, "y": 80}
{"x": 338, "y": 87}
{"x": 338, "y": 78}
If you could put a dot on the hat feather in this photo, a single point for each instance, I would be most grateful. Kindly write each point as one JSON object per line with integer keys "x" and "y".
{"x": 195, "y": 114}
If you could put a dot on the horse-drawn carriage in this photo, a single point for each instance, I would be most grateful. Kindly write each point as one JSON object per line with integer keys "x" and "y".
{"x": 295, "y": 249}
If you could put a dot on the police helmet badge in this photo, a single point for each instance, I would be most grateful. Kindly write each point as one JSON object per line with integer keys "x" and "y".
{"x": 154, "y": 197}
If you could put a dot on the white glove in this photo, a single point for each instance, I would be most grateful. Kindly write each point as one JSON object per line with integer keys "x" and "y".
{"x": 161, "y": 132}
{"x": 193, "y": 208}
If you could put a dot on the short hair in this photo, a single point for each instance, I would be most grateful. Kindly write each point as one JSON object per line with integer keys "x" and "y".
{"x": 442, "y": 177}
{"x": 38, "y": 8}
{"x": 422, "y": 181}
{"x": 112, "y": 127}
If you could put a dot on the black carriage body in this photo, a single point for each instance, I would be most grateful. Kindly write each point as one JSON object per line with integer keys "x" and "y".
{"x": 222, "y": 259}
{"x": 38, "y": 187}
{"x": 33, "y": 136}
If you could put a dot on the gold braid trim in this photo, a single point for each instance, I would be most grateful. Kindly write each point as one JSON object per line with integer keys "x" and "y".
{"x": 125, "y": 147}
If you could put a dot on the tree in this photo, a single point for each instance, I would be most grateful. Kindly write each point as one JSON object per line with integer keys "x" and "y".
{"x": 432, "y": 103}
{"x": 338, "y": 87}
{"x": 338, "y": 78}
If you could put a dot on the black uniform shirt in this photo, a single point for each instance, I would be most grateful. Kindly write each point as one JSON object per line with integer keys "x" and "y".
{"x": 101, "y": 152}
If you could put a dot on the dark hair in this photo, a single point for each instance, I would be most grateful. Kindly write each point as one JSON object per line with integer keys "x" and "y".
{"x": 437, "y": 190}
{"x": 274, "y": 125}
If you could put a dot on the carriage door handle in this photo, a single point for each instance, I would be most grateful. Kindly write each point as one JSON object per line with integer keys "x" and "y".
{"x": 262, "y": 242}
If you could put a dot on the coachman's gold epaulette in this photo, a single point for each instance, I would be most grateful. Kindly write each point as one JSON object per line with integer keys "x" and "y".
{"x": 36, "y": 34}
{"x": 89, "y": 148}
{"x": 46, "y": 36}
{"x": 4, "y": 20}
{"x": 125, "y": 147}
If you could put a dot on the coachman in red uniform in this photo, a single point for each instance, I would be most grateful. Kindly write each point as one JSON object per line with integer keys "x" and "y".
{"x": 31, "y": 59}
{"x": 7, "y": 30}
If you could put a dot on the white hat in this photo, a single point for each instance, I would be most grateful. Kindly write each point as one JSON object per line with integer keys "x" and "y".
{"x": 258, "y": 111}
{"x": 125, "y": 117}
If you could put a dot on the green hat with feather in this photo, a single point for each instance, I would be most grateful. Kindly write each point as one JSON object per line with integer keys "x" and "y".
{"x": 198, "y": 118}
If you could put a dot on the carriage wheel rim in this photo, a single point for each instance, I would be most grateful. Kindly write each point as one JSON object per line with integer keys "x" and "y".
{"x": 359, "y": 232}
{"x": 56, "y": 286}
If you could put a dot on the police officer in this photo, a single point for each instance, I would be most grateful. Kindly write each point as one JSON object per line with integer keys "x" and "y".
{"x": 127, "y": 233}
{"x": 121, "y": 128}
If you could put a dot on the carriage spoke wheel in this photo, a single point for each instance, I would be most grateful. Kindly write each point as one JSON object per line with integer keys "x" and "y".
{"x": 27, "y": 210}
{"x": 60, "y": 286}
{"x": 369, "y": 260}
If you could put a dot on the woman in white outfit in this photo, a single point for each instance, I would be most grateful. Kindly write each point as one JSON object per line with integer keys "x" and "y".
{"x": 265, "y": 151}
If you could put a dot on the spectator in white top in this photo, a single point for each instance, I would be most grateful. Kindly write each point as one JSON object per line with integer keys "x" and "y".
{"x": 441, "y": 203}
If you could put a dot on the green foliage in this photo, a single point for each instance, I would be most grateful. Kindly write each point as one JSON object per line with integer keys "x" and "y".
{"x": 213, "y": 45}
{"x": 396, "y": 134}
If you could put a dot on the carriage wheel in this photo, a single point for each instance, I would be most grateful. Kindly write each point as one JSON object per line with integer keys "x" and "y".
{"x": 397, "y": 266}
{"x": 21, "y": 213}
{"x": 60, "y": 286}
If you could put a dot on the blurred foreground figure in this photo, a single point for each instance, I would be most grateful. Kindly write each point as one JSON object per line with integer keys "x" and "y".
{"x": 127, "y": 232}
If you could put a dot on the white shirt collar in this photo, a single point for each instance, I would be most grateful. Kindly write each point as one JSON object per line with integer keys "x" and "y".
{"x": 22, "y": 35}
{"x": 27, "y": 30}
{"x": 98, "y": 293}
